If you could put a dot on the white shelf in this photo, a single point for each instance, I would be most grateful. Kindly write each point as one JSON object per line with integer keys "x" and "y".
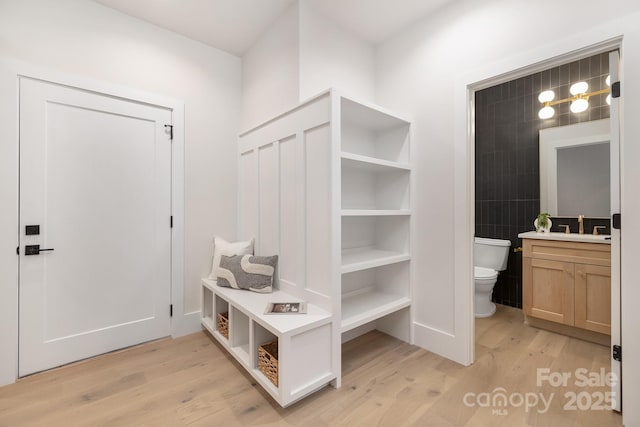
{"x": 364, "y": 258}
{"x": 367, "y": 305}
{"x": 371, "y": 164}
{"x": 376, "y": 212}
{"x": 370, "y": 116}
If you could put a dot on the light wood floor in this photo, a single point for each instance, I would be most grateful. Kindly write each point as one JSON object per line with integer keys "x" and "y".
{"x": 191, "y": 381}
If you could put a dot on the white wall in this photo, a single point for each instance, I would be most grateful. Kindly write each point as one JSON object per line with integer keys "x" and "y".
{"x": 270, "y": 72}
{"x": 83, "y": 38}
{"x": 424, "y": 71}
{"x": 331, "y": 57}
{"x": 8, "y": 228}
{"x": 302, "y": 54}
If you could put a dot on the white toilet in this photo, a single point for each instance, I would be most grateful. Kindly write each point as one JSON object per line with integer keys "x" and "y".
{"x": 489, "y": 258}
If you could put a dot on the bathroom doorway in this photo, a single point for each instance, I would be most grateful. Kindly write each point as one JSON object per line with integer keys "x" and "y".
{"x": 506, "y": 124}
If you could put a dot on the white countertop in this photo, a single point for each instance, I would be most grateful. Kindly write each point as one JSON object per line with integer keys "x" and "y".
{"x": 573, "y": 237}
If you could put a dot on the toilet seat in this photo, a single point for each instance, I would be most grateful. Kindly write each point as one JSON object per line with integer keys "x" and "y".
{"x": 484, "y": 273}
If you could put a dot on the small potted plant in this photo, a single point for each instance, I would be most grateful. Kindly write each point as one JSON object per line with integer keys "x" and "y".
{"x": 543, "y": 222}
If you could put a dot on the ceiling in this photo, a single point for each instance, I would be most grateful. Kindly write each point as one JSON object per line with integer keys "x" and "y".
{"x": 235, "y": 25}
{"x": 230, "y": 25}
{"x": 376, "y": 20}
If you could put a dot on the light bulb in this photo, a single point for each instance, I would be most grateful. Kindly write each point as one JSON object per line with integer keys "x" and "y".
{"x": 580, "y": 87}
{"x": 546, "y": 96}
{"x": 546, "y": 112}
{"x": 608, "y": 80}
{"x": 579, "y": 105}
{"x": 609, "y": 99}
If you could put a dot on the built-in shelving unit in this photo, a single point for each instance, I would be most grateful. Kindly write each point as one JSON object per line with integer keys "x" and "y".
{"x": 327, "y": 187}
{"x": 376, "y": 216}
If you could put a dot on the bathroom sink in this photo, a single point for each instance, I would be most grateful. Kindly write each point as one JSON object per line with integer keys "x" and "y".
{"x": 573, "y": 237}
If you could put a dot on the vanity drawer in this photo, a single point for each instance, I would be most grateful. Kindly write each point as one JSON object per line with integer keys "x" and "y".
{"x": 576, "y": 252}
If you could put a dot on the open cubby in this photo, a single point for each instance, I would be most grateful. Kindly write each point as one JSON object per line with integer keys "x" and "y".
{"x": 367, "y": 187}
{"x": 372, "y": 241}
{"x": 239, "y": 333}
{"x": 220, "y": 306}
{"x": 208, "y": 316}
{"x": 261, "y": 336}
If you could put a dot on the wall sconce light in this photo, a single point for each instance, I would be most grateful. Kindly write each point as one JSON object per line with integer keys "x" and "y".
{"x": 579, "y": 99}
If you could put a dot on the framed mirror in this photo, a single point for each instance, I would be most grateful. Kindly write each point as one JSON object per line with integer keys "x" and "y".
{"x": 574, "y": 170}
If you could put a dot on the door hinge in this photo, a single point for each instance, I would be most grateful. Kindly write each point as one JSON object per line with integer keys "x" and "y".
{"x": 616, "y": 221}
{"x": 18, "y": 250}
{"x": 170, "y": 127}
{"x": 171, "y": 221}
{"x": 617, "y": 353}
{"x": 615, "y": 90}
{"x": 170, "y": 310}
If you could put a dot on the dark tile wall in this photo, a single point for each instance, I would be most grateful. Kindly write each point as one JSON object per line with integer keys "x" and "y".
{"x": 506, "y": 160}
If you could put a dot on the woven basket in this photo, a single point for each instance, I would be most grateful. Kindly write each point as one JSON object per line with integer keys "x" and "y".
{"x": 223, "y": 324}
{"x": 268, "y": 361}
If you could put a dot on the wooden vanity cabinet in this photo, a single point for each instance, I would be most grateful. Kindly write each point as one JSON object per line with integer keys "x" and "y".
{"x": 548, "y": 290}
{"x": 568, "y": 283}
{"x": 593, "y": 298}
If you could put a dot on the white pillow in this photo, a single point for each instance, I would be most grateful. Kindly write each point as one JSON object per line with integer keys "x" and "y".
{"x": 222, "y": 247}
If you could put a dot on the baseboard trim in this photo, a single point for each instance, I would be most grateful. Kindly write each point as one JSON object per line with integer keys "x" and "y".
{"x": 186, "y": 324}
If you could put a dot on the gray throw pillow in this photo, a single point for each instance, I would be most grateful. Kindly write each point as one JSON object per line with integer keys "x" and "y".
{"x": 254, "y": 273}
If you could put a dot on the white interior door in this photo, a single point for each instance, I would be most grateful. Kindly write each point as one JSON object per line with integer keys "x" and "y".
{"x": 616, "y": 366}
{"x": 95, "y": 176}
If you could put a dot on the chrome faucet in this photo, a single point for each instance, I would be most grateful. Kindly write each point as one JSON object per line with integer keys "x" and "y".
{"x": 581, "y": 224}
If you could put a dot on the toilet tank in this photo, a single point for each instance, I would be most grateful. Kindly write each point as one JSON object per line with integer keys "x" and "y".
{"x": 491, "y": 253}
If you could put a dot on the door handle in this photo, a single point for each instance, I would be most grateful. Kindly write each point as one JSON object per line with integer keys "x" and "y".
{"x": 35, "y": 250}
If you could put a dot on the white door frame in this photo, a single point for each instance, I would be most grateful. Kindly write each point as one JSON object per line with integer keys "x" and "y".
{"x": 181, "y": 322}
{"x": 466, "y": 87}
{"x": 472, "y": 88}
{"x": 554, "y": 62}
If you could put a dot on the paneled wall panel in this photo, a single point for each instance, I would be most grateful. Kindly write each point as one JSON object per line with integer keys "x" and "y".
{"x": 248, "y": 197}
{"x": 285, "y": 197}
{"x": 268, "y": 201}
{"x": 318, "y": 156}
{"x": 292, "y": 227}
